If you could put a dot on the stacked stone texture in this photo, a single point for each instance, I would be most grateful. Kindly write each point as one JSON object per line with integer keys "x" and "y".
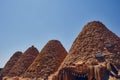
{"x": 48, "y": 61}
{"x": 24, "y": 62}
{"x": 10, "y": 63}
{"x": 91, "y": 41}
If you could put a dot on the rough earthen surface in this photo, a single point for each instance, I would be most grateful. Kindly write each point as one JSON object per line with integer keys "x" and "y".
{"x": 48, "y": 61}
{"x": 24, "y": 62}
{"x": 94, "y": 39}
{"x": 11, "y": 63}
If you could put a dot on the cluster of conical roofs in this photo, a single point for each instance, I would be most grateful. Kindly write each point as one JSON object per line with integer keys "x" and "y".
{"x": 95, "y": 44}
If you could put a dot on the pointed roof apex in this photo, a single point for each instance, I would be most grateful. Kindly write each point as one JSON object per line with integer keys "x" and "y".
{"x": 32, "y": 46}
{"x": 17, "y": 53}
{"x": 94, "y": 24}
{"x": 54, "y": 41}
{"x": 24, "y": 62}
{"x": 11, "y": 62}
{"x": 94, "y": 38}
{"x": 48, "y": 60}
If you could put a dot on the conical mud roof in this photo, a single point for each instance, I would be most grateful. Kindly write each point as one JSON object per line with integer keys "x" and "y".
{"x": 48, "y": 61}
{"x": 24, "y": 62}
{"x": 94, "y": 41}
{"x": 10, "y": 63}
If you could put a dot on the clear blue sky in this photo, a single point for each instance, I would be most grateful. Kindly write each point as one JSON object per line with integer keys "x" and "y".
{"x": 34, "y": 22}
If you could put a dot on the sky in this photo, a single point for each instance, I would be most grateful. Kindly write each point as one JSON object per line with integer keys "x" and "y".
{"x": 24, "y": 23}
